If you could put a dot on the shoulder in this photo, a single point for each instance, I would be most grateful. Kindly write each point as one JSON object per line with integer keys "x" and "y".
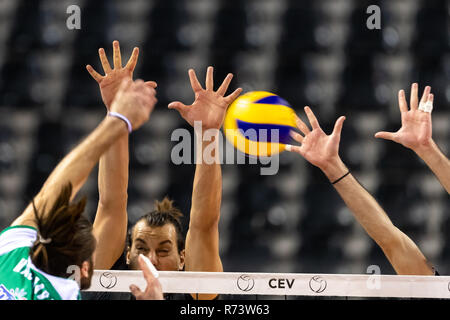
{"x": 16, "y": 237}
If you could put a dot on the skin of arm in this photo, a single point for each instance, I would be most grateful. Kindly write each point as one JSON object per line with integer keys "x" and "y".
{"x": 135, "y": 101}
{"x": 206, "y": 115}
{"x": 110, "y": 224}
{"x": 416, "y": 134}
{"x": 322, "y": 151}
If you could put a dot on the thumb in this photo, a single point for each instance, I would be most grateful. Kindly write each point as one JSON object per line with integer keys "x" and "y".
{"x": 180, "y": 107}
{"x": 338, "y": 126}
{"x": 385, "y": 135}
{"x": 151, "y": 84}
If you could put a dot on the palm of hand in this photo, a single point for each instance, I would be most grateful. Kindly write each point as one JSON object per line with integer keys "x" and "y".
{"x": 416, "y": 128}
{"x": 110, "y": 84}
{"x": 318, "y": 148}
{"x": 209, "y": 107}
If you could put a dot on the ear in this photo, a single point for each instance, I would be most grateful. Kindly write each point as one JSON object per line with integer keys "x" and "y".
{"x": 85, "y": 267}
{"x": 181, "y": 264}
{"x": 128, "y": 256}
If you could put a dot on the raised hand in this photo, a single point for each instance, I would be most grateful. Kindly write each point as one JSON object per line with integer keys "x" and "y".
{"x": 109, "y": 83}
{"x": 317, "y": 147}
{"x": 416, "y": 128}
{"x": 209, "y": 106}
{"x": 134, "y": 100}
{"x": 154, "y": 289}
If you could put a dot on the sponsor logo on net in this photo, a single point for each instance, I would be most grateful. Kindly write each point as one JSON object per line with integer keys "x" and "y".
{"x": 245, "y": 283}
{"x": 317, "y": 284}
{"x": 108, "y": 280}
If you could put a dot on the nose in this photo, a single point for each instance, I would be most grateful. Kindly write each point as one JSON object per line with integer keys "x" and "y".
{"x": 153, "y": 258}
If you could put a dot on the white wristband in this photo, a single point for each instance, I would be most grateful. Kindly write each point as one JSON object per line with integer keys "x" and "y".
{"x": 122, "y": 117}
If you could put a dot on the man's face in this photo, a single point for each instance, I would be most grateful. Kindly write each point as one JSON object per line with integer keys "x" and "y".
{"x": 159, "y": 244}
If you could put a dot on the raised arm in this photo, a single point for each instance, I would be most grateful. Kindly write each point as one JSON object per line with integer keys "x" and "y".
{"x": 416, "y": 133}
{"x": 135, "y": 101}
{"x": 322, "y": 151}
{"x": 110, "y": 224}
{"x": 206, "y": 115}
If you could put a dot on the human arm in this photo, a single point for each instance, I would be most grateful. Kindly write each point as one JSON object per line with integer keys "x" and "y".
{"x": 135, "y": 101}
{"x": 206, "y": 115}
{"x": 416, "y": 134}
{"x": 322, "y": 150}
{"x": 110, "y": 223}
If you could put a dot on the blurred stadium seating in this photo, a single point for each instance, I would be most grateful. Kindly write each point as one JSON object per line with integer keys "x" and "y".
{"x": 316, "y": 53}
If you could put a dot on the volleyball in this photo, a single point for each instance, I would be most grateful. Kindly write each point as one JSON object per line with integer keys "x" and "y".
{"x": 258, "y": 123}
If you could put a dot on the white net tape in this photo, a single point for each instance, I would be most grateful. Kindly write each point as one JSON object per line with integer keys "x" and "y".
{"x": 295, "y": 284}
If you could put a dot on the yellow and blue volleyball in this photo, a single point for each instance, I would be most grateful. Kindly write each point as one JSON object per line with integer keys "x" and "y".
{"x": 258, "y": 123}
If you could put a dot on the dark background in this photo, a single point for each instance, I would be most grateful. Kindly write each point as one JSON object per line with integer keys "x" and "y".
{"x": 318, "y": 53}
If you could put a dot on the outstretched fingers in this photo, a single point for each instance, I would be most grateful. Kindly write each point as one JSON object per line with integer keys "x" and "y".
{"x": 426, "y": 93}
{"x": 94, "y": 74}
{"x": 402, "y": 104}
{"x": 291, "y": 148}
{"x": 131, "y": 64}
{"x": 209, "y": 78}
{"x": 386, "y": 135}
{"x": 414, "y": 98}
{"x": 195, "y": 84}
{"x": 104, "y": 60}
{"x": 179, "y": 106}
{"x": 312, "y": 118}
{"x": 231, "y": 97}
{"x": 225, "y": 84}
{"x": 117, "y": 57}
{"x": 296, "y": 136}
{"x": 151, "y": 84}
{"x": 338, "y": 126}
{"x": 302, "y": 126}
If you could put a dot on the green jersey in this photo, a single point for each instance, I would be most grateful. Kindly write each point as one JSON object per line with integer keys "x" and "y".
{"x": 20, "y": 279}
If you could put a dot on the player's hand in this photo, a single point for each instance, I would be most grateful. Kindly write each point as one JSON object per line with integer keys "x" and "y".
{"x": 153, "y": 290}
{"x": 415, "y": 132}
{"x": 209, "y": 106}
{"x": 135, "y": 100}
{"x": 109, "y": 83}
{"x": 317, "y": 147}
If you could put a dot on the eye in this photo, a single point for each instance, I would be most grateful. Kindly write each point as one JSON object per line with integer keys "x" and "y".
{"x": 139, "y": 248}
{"x": 163, "y": 251}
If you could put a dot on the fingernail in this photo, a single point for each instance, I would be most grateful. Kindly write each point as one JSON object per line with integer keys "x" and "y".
{"x": 288, "y": 147}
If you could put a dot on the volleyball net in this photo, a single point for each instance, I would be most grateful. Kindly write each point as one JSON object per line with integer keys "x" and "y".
{"x": 283, "y": 285}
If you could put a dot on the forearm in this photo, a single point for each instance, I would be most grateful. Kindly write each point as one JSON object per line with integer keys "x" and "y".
{"x": 113, "y": 175}
{"x": 110, "y": 224}
{"x": 207, "y": 189}
{"x": 77, "y": 165}
{"x": 364, "y": 207}
{"x": 437, "y": 162}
